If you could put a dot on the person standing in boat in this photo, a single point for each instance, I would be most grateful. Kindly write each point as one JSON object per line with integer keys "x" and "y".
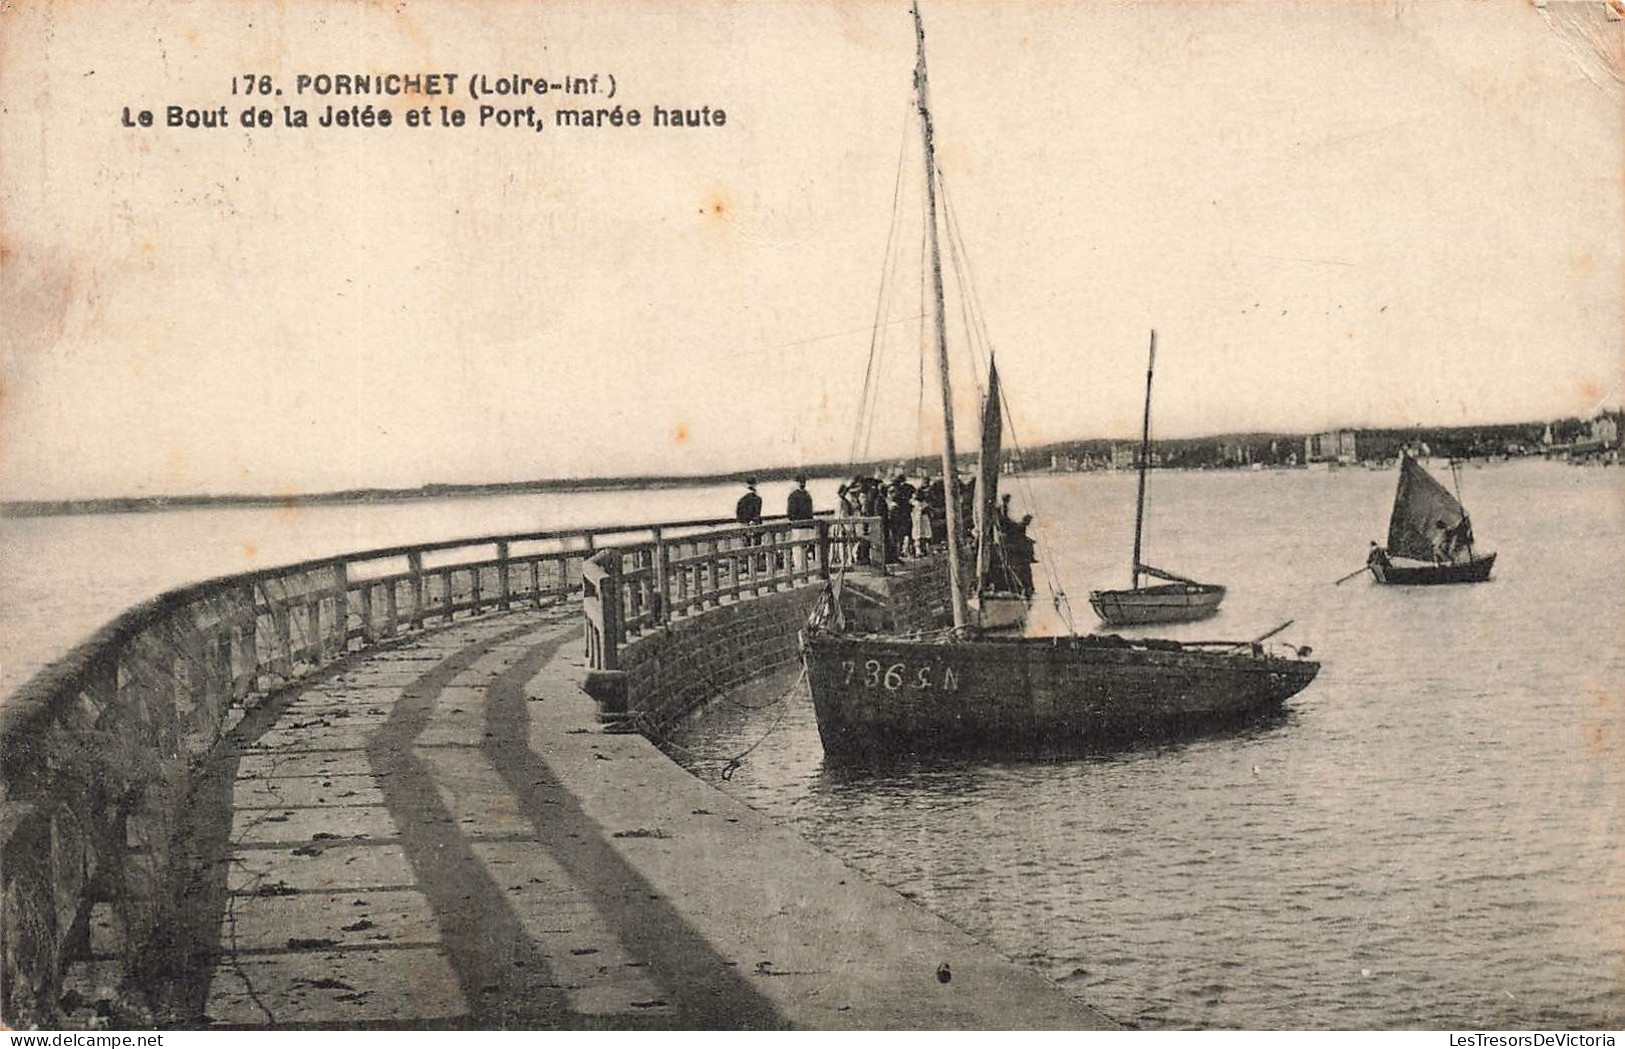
{"x": 1020, "y": 551}
{"x": 1377, "y": 557}
{"x": 1458, "y": 542}
{"x": 1440, "y": 541}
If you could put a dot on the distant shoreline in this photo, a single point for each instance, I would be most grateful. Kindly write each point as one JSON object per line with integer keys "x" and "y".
{"x": 1226, "y": 451}
{"x": 20, "y": 508}
{"x": 350, "y": 497}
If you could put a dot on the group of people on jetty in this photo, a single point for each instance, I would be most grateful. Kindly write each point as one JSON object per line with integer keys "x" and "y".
{"x": 915, "y": 519}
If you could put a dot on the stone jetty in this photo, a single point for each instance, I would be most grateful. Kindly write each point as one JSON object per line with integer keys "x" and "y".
{"x": 440, "y": 827}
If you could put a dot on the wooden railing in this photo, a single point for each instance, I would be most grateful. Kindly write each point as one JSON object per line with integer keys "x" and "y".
{"x": 97, "y": 751}
{"x": 631, "y": 588}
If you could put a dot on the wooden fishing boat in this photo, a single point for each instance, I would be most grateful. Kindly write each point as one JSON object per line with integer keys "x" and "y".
{"x": 1430, "y": 536}
{"x": 1476, "y": 570}
{"x": 1177, "y": 600}
{"x": 876, "y": 696}
{"x": 966, "y": 686}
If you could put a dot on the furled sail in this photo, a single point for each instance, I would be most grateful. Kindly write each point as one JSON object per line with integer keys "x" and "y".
{"x": 1424, "y": 513}
{"x": 987, "y": 481}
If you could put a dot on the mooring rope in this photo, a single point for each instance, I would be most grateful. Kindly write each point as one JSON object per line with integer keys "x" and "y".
{"x": 645, "y": 727}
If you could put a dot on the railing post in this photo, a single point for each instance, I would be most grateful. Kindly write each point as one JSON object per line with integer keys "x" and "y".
{"x": 414, "y": 564}
{"x": 662, "y": 599}
{"x": 634, "y": 596}
{"x": 610, "y": 595}
{"x": 341, "y": 604}
{"x": 282, "y": 655}
{"x": 313, "y": 623}
{"x": 368, "y": 634}
{"x": 502, "y": 575}
{"x": 391, "y": 609}
{"x": 821, "y": 526}
{"x": 248, "y": 637}
{"x": 679, "y": 583}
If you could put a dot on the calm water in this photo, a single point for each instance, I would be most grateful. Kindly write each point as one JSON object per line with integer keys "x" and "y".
{"x": 1433, "y": 837}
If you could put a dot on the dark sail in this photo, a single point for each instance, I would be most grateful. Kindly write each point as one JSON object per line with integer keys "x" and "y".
{"x": 1424, "y": 511}
{"x": 987, "y": 480}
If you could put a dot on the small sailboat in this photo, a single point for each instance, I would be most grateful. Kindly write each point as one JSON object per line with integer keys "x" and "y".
{"x": 968, "y": 684}
{"x": 1177, "y": 600}
{"x": 1429, "y": 533}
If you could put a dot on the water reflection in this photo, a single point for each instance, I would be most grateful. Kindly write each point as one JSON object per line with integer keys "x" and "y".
{"x": 1427, "y": 836}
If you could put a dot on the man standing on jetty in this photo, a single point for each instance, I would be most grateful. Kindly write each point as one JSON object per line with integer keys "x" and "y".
{"x": 799, "y": 506}
{"x": 799, "y": 510}
{"x": 748, "y": 511}
{"x": 749, "y": 508}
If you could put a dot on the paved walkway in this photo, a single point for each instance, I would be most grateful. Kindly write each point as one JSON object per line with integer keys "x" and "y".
{"x": 438, "y": 834}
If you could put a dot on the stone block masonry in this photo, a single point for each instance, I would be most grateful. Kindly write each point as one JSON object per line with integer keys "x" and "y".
{"x": 689, "y": 661}
{"x": 673, "y": 670}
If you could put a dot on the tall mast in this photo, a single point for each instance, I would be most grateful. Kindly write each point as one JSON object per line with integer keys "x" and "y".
{"x": 1145, "y": 459}
{"x": 950, "y": 467}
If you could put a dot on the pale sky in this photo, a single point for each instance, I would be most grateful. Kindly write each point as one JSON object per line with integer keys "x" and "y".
{"x": 1333, "y": 213}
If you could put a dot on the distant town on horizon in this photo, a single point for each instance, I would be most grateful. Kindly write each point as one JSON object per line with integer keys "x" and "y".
{"x": 1595, "y": 439}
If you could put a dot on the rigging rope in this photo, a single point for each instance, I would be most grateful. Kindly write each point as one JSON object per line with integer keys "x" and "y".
{"x": 983, "y": 341}
{"x": 876, "y": 337}
{"x": 919, "y": 336}
{"x": 733, "y": 764}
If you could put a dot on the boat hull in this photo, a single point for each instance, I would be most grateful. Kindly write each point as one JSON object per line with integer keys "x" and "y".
{"x": 878, "y": 697}
{"x": 1172, "y": 603}
{"x": 1474, "y": 571}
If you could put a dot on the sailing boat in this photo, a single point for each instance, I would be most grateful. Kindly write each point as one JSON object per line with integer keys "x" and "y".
{"x": 1179, "y": 600}
{"x": 1430, "y": 528}
{"x": 962, "y": 687}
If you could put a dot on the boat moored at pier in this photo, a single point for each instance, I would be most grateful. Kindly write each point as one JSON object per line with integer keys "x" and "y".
{"x": 969, "y": 684}
{"x": 878, "y": 696}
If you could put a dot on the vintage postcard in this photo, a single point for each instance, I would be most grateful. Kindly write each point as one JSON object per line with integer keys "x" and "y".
{"x": 812, "y": 515}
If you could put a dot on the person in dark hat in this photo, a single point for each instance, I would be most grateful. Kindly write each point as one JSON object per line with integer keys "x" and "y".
{"x": 749, "y": 508}
{"x": 1021, "y": 551}
{"x": 869, "y": 504}
{"x": 899, "y": 519}
{"x": 799, "y": 507}
{"x": 748, "y": 511}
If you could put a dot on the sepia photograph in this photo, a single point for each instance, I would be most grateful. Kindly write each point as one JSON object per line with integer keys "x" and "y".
{"x": 832, "y": 515}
